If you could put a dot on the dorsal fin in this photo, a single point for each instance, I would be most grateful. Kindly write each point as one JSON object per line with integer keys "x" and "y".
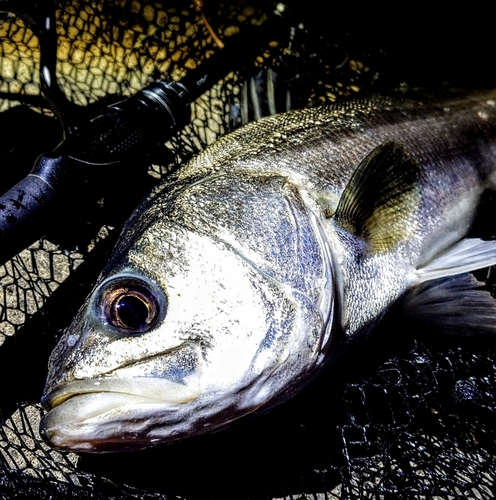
{"x": 381, "y": 196}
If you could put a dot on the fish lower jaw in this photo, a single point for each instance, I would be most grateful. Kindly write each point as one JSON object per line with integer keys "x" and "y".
{"x": 102, "y": 422}
{"x": 110, "y": 415}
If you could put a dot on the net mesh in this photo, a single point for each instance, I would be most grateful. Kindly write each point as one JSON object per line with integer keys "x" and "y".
{"x": 410, "y": 415}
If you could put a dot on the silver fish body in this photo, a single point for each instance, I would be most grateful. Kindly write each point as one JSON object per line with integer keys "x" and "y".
{"x": 245, "y": 272}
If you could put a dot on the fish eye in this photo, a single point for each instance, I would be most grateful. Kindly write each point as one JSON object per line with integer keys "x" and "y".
{"x": 129, "y": 304}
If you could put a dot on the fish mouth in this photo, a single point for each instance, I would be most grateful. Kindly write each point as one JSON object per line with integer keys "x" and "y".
{"x": 98, "y": 415}
{"x": 147, "y": 388}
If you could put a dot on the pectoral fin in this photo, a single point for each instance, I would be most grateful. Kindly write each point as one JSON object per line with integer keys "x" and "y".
{"x": 383, "y": 193}
{"x": 379, "y": 209}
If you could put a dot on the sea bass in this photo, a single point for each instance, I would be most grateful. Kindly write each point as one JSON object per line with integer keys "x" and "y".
{"x": 250, "y": 269}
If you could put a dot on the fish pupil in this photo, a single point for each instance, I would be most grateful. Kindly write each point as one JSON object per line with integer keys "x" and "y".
{"x": 132, "y": 312}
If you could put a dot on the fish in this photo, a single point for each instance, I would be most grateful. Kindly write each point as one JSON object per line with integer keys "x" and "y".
{"x": 270, "y": 255}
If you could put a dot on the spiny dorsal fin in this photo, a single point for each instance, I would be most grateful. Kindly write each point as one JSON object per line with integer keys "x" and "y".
{"x": 378, "y": 202}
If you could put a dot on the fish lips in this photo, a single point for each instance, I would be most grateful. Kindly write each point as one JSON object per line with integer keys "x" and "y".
{"x": 99, "y": 415}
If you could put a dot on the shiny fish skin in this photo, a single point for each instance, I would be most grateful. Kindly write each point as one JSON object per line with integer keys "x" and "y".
{"x": 263, "y": 256}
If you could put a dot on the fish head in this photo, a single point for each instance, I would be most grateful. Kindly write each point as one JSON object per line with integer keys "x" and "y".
{"x": 181, "y": 335}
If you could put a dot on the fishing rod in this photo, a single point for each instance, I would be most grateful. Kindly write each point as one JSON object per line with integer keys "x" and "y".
{"x": 122, "y": 135}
